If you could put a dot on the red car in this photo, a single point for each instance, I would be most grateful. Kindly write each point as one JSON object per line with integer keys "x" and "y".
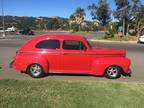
{"x": 60, "y": 53}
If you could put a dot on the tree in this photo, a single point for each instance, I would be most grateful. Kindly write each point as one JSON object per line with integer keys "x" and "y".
{"x": 135, "y": 6}
{"x": 55, "y": 24}
{"x": 140, "y": 19}
{"x": 74, "y": 27}
{"x": 137, "y": 11}
{"x": 25, "y": 22}
{"x": 40, "y": 22}
{"x": 101, "y": 12}
{"x": 122, "y": 13}
{"x": 78, "y": 17}
{"x": 72, "y": 17}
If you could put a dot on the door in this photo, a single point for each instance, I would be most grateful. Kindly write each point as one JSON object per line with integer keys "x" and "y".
{"x": 74, "y": 57}
{"x": 51, "y": 51}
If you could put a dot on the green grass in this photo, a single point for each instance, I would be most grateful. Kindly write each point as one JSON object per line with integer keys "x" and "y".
{"x": 70, "y": 94}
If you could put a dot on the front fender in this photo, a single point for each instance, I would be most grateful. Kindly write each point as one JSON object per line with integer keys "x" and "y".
{"x": 100, "y": 64}
{"x": 23, "y": 61}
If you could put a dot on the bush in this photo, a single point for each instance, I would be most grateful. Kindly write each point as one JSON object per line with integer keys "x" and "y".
{"x": 85, "y": 28}
{"x": 109, "y": 34}
{"x": 27, "y": 31}
{"x": 74, "y": 27}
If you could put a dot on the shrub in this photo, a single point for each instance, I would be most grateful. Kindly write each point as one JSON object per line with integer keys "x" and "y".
{"x": 74, "y": 27}
{"x": 109, "y": 34}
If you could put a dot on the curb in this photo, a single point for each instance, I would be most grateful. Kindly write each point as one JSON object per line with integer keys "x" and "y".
{"x": 94, "y": 40}
{"x": 16, "y": 37}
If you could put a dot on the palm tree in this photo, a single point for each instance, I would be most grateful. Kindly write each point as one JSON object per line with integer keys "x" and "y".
{"x": 79, "y": 16}
{"x": 140, "y": 19}
{"x": 72, "y": 19}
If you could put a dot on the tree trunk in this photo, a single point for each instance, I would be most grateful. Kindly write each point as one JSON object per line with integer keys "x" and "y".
{"x": 127, "y": 29}
{"x": 79, "y": 27}
{"x": 138, "y": 30}
{"x": 104, "y": 28}
{"x": 124, "y": 27}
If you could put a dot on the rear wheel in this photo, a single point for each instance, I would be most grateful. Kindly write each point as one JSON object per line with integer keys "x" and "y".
{"x": 35, "y": 71}
{"x": 113, "y": 72}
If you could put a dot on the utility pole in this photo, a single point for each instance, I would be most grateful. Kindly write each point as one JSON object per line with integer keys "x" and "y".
{"x": 3, "y": 21}
{"x": 123, "y": 12}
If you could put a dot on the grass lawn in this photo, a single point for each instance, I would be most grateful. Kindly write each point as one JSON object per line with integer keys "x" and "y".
{"x": 70, "y": 94}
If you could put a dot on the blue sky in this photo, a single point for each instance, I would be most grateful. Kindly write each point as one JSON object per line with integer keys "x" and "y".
{"x": 63, "y": 8}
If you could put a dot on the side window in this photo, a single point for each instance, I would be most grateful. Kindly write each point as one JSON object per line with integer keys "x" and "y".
{"x": 48, "y": 44}
{"x": 73, "y": 45}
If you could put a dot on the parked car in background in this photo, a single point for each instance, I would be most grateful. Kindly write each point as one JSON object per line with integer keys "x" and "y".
{"x": 141, "y": 39}
{"x": 10, "y": 29}
{"x": 69, "y": 54}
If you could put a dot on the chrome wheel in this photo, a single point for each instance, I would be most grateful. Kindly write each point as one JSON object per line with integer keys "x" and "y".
{"x": 35, "y": 71}
{"x": 113, "y": 72}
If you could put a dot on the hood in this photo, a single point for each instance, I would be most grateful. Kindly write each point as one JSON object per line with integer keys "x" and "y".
{"x": 109, "y": 51}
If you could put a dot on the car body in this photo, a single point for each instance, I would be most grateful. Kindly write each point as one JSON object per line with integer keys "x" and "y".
{"x": 141, "y": 39}
{"x": 61, "y": 53}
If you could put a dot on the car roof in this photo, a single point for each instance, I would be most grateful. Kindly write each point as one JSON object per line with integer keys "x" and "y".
{"x": 58, "y": 36}
{"x": 30, "y": 44}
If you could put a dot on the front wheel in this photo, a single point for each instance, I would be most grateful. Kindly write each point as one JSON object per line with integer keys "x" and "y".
{"x": 113, "y": 72}
{"x": 35, "y": 71}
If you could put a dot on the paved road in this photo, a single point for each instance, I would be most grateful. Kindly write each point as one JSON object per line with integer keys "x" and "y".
{"x": 134, "y": 51}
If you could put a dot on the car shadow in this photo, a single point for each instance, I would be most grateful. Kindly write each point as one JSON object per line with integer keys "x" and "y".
{"x": 71, "y": 74}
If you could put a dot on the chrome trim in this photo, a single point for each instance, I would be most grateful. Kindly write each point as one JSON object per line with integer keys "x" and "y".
{"x": 82, "y": 53}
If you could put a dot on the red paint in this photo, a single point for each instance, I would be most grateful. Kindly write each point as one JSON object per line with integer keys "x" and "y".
{"x": 89, "y": 61}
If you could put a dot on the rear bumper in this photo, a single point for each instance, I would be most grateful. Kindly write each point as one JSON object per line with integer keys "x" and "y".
{"x": 11, "y": 64}
{"x": 129, "y": 73}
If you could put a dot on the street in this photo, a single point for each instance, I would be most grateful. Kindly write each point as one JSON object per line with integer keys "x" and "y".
{"x": 135, "y": 52}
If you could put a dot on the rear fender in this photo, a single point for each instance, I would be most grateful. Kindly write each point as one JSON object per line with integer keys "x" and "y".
{"x": 99, "y": 65}
{"x": 22, "y": 61}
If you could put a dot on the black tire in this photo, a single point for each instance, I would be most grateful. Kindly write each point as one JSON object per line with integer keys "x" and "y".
{"x": 35, "y": 71}
{"x": 113, "y": 72}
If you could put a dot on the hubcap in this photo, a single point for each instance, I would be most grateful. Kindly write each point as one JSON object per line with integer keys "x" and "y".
{"x": 112, "y": 71}
{"x": 35, "y": 70}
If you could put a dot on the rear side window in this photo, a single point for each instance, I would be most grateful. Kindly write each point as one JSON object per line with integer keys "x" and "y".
{"x": 73, "y": 45}
{"x": 48, "y": 44}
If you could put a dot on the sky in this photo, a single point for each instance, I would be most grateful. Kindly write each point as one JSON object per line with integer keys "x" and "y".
{"x": 62, "y": 8}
